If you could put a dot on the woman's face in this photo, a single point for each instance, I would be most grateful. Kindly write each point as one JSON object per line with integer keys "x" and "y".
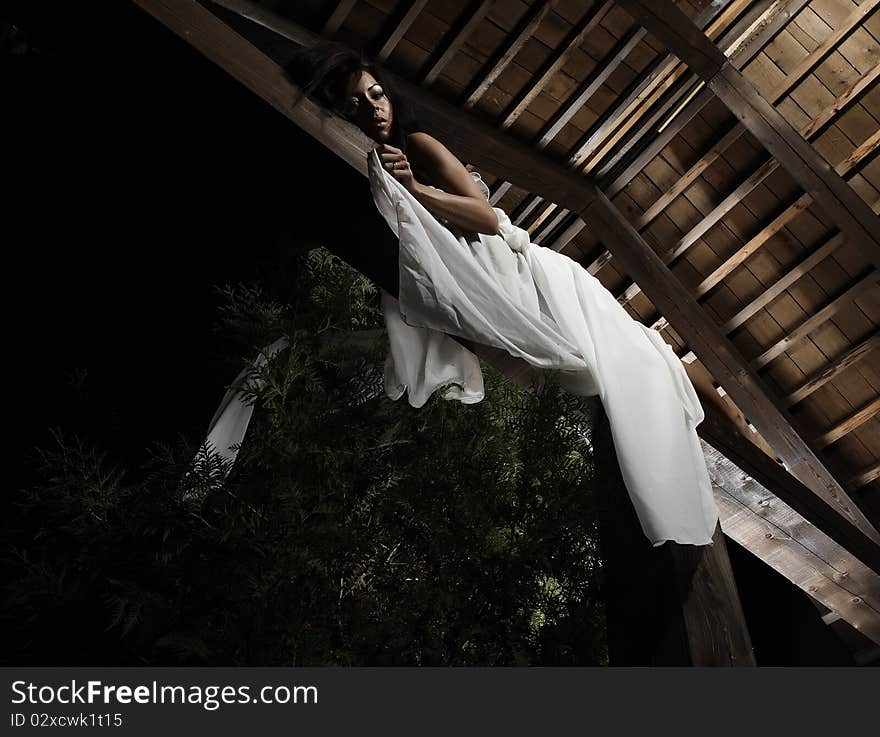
{"x": 368, "y": 106}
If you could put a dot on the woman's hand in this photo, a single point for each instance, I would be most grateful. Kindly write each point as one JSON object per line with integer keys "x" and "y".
{"x": 396, "y": 163}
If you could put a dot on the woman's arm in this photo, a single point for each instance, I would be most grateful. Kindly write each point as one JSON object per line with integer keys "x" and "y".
{"x": 462, "y": 202}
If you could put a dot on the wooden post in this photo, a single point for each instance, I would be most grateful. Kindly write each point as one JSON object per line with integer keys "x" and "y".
{"x": 673, "y": 605}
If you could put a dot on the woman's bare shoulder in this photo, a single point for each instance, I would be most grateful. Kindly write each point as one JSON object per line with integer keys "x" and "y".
{"x": 425, "y": 146}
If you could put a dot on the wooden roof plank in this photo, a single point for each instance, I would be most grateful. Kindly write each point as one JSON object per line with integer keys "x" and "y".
{"x": 455, "y": 39}
{"x": 849, "y": 358}
{"x": 844, "y": 168}
{"x": 566, "y": 112}
{"x": 524, "y": 30}
{"x": 337, "y": 17}
{"x": 818, "y": 319}
{"x": 828, "y": 115}
{"x": 806, "y": 166}
{"x": 846, "y": 426}
{"x": 865, "y": 477}
{"x": 399, "y": 26}
{"x": 557, "y": 59}
{"x": 475, "y": 142}
{"x": 784, "y": 282}
{"x": 743, "y": 54}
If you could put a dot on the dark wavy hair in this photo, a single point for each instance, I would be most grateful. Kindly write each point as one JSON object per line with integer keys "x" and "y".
{"x": 322, "y": 73}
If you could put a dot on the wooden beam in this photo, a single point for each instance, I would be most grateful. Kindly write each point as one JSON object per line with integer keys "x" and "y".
{"x": 846, "y": 426}
{"x": 849, "y": 358}
{"x": 630, "y": 105}
{"x": 810, "y": 131}
{"x": 696, "y": 616}
{"x": 844, "y": 168}
{"x": 475, "y": 142}
{"x": 719, "y": 356}
{"x": 794, "y": 78}
{"x": 577, "y": 100}
{"x": 400, "y": 24}
{"x": 869, "y": 281}
{"x": 557, "y": 59}
{"x": 745, "y": 41}
{"x": 337, "y": 17}
{"x": 472, "y": 16}
{"x": 806, "y": 166}
{"x": 817, "y": 256}
{"x": 765, "y": 525}
{"x": 865, "y": 477}
{"x": 523, "y": 31}
{"x": 743, "y": 54}
{"x": 761, "y": 469}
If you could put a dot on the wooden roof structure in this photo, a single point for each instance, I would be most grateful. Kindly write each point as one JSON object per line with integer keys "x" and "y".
{"x": 713, "y": 163}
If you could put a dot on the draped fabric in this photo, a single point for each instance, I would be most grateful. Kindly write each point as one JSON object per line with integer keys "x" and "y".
{"x": 539, "y": 305}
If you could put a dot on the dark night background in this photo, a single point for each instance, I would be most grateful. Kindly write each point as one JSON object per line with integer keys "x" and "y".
{"x": 138, "y": 177}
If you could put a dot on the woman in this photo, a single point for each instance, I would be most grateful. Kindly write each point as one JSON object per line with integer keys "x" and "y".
{"x": 465, "y": 270}
{"x": 347, "y": 83}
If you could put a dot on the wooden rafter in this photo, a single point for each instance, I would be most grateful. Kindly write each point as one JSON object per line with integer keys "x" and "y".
{"x": 846, "y": 426}
{"x": 400, "y": 25}
{"x": 849, "y": 358}
{"x": 810, "y": 131}
{"x": 792, "y": 80}
{"x": 337, "y": 17}
{"x": 845, "y": 168}
{"x": 772, "y": 521}
{"x": 780, "y": 285}
{"x": 814, "y": 321}
{"x": 744, "y": 53}
{"x": 524, "y": 30}
{"x": 455, "y": 39}
{"x": 805, "y": 165}
{"x": 477, "y": 143}
{"x": 557, "y": 59}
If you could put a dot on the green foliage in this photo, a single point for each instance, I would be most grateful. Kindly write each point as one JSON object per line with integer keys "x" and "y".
{"x": 352, "y": 530}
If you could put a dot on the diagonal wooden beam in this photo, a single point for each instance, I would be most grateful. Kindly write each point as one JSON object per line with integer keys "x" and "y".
{"x": 867, "y": 282}
{"x": 744, "y": 52}
{"x": 557, "y": 59}
{"x": 805, "y": 165}
{"x": 400, "y": 24}
{"x": 464, "y": 26}
{"x": 849, "y": 165}
{"x": 474, "y": 141}
{"x": 792, "y": 79}
{"x": 816, "y": 257}
{"x": 846, "y": 426}
{"x": 523, "y": 31}
{"x": 849, "y": 358}
{"x": 337, "y": 17}
{"x": 810, "y": 131}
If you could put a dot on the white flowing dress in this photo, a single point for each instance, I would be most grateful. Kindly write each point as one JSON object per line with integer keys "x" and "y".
{"x": 539, "y": 305}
